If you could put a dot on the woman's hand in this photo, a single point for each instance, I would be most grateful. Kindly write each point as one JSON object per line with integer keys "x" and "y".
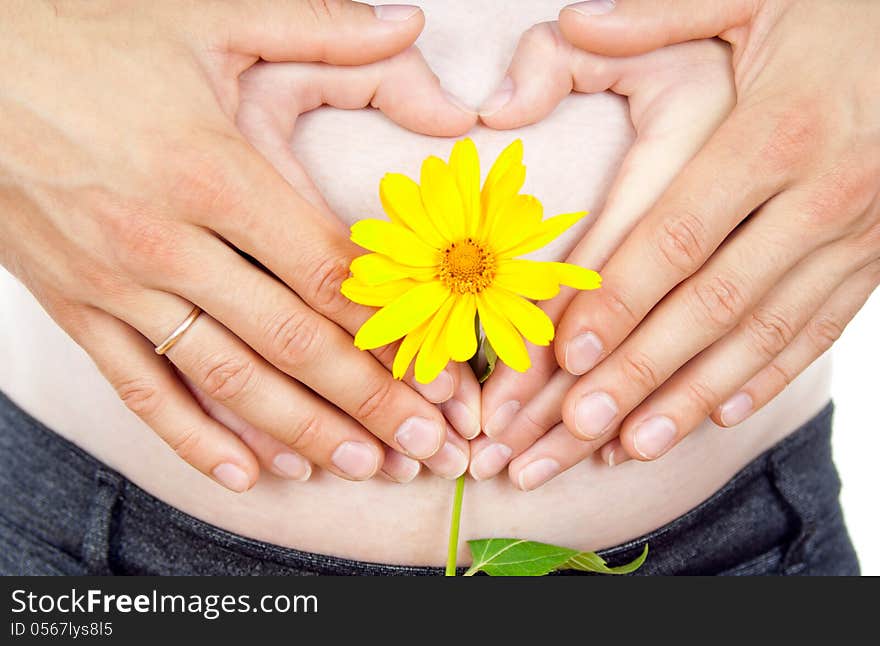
{"x": 766, "y": 244}
{"x": 126, "y": 189}
{"x": 677, "y": 97}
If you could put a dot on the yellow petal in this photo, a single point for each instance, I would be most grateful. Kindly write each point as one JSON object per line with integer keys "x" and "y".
{"x": 376, "y": 268}
{"x": 506, "y": 341}
{"x": 520, "y": 219}
{"x": 504, "y": 181}
{"x": 394, "y": 241}
{"x": 529, "y": 278}
{"x": 434, "y": 356}
{"x": 461, "y": 335}
{"x": 442, "y": 200}
{"x": 401, "y": 316}
{"x": 407, "y": 350}
{"x": 577, "y": 277}
{"x": 402, "y": 201}
{"x": 546, "y": 232}
{"x": 530, "y": 320}
{"x": 376, "y": 295}
{"x": 465, "y": 165}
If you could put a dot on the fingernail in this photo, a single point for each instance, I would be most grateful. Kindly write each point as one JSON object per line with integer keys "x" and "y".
{"x": 439, "y": 390}
{"x": 610, "y": 458}
{"x": 419, "y": 437}
{"x": 356, "y": 459}
{"x": 594, "y": 414}
{"x": 501, "y": 97}
{"x": 502, "y": 418}
{"x": 654, "y": 436}
{"x": 593, "y": 7}
{"x": 395, "y": 12}
{"x": 458, "y": 103}
{"x": 736, "y": 409}
{"x": 490, "y": 461}
{"x": 462, "y": 418}
{"x": 232, "y": 477}
{"x": 400, "y": 468}
{"x": 293, "y": 466}
{"x": 537, "y": 473}
{"x": 582, "y": 353}
{"x": 448, "y": 462}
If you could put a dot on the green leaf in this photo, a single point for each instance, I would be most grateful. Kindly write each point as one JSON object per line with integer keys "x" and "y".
{"x": 491, "y": 358}
{"x": 592, "y": 562}
{"x": 516, "y": 557}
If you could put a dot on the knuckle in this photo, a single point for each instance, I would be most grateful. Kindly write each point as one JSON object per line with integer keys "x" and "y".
{"x": 186, "y": 444}
{"x": 376, "y": 403}
{"x": 770, "y": 332}
{"x": 717, "y": 302}
{"x": 824, "y": 331}
{"x": 615, "y": 302}
{"x": 780, "y": 375}
{"x": 203, "y": 182}
{"x": 797, "y": 130}
{"x": 325, "y": 10}
{"x": 150, "y": 244}
{"x": 840, "y": 196}
{"x": 294, "y": 337}
{"x": 141, "y": 395}
{"x": 702, "y": 397}
{"x": 639, "y": 370}
{"x": 323, "y": 285}
{"x": 683, "y": 242}
{"x": 228, "y": 379}
{"x": 305, "y": 434}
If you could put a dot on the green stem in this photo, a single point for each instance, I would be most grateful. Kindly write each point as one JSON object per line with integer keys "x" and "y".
{"x": 454, "y": 526}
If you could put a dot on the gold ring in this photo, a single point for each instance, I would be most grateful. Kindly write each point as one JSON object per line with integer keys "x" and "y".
{"x": 165, "y": 346}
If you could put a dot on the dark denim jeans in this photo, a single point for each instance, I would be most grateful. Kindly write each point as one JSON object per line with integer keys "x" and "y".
{"x": 63, "y": 512}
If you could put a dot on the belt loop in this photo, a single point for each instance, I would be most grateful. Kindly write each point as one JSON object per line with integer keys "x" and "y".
{"x": 96, "y": 541}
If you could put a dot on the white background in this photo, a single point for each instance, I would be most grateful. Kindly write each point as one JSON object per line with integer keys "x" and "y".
{"x": 857, "y": 430}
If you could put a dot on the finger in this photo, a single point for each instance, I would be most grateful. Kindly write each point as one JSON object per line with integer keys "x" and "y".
{"x": 690, "y": 395}
{"x": 452, "y": 459}
{"x": 672, "y": 242}
{"x": 399, "y": 467}
{"x": 334, "y": 31}
{"x": 463, "y": 409}
{"x": 673, "y": 119}
{"x": 552, "y": 454}
{"x": 299, "y": 342}
{"x": 150, "y": 389}
{"x": 809, "y": 344}
{"x": 491, "y": 454}
{"x": 628, "y": 27}
{"x": 274, "y": 456}
{"x": 612, "y": 453}
{"x": 708, "y": 305}
{"x": 229, "y": 372}
{"x": 402, "y": 87}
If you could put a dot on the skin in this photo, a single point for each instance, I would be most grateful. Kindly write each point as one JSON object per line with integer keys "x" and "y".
{"x": 761, "y": 298}
{"x": 118, "y": 242}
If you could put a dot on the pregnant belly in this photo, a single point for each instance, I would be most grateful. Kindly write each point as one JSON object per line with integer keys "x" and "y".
{"x": 590, "y": 507}
{"x": 572, "y": 157}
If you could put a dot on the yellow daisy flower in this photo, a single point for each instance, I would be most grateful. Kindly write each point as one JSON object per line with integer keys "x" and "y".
{"x": 451, "y": 251}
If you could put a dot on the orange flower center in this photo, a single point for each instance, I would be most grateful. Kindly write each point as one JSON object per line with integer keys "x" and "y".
{"x": 467, "y": 267}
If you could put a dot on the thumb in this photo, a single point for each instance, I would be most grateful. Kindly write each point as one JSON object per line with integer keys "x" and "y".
{"x": 340, "y": 32}
{"x": 629, "y": 27}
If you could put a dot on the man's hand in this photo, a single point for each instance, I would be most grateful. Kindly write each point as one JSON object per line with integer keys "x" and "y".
{"x": 765, "y": 245}
{"x": 677, "y": 97}
{"x": 126, "y": 190}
